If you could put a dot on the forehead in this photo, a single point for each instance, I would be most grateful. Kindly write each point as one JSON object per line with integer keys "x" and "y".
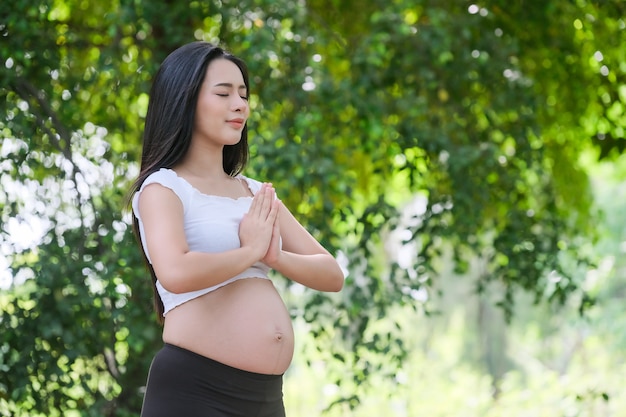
{"x": 224, "y": 71}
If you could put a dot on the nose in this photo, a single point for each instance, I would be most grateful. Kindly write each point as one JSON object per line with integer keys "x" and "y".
{"x": 240, "y": 104}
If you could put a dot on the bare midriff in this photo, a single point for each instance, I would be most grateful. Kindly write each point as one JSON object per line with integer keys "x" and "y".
{"x": 244, "y": 324}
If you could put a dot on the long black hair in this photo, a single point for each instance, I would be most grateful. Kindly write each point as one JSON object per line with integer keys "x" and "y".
{"x": 170, "y": 120}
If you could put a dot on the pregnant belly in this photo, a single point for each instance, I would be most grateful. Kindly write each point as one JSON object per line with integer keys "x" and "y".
{"x": 244, "y": 324}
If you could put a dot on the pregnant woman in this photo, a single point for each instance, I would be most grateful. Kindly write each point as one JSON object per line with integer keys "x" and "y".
{"x": 210, "y": 236}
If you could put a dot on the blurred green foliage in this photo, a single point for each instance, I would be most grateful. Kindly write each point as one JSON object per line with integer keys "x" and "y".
{"x": 465, "y": 362}
{"x": 451, "y": 128}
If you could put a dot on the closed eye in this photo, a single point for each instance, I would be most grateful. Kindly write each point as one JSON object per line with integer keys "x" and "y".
{"x": 226, "y": 95}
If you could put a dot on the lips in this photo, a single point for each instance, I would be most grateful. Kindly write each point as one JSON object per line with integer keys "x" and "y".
{"x": 236, "y": 123}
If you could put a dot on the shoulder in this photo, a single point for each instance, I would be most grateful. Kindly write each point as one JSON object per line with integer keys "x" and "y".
{"x": 163, "y": 176}
{"x": 253, "y": 184}
{"x": 167, "y": 179}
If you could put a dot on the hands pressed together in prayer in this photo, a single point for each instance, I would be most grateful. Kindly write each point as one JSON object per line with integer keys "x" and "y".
{"x": 259, "y": 229}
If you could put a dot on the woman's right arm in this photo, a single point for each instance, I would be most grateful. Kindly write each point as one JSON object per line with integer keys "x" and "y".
{"x": 181, "y": 270}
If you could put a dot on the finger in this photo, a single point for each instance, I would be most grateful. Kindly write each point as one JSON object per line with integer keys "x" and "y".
{"x": 266, "y": 201}
{"x": 255, "y": 206}
{"x": 272, "y": 216}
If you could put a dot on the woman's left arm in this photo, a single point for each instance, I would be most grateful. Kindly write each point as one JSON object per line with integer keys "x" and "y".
{"x": 302, "y": 258}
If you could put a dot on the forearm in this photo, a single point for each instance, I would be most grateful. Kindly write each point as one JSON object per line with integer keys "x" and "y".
{"x": 317, "y": 271}
{"x": 193, "y": 271}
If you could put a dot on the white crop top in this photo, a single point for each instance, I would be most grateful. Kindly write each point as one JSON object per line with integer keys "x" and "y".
{"x": 211, "y": 225}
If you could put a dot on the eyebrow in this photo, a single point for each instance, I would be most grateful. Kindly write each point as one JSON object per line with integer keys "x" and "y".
{"x": 229, "y": 85}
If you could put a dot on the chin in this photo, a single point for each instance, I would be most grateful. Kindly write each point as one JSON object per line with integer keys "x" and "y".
{"x": 232, "y": 142}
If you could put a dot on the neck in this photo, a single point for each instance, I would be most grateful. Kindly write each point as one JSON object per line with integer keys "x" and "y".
{"x": 203, "y": 161}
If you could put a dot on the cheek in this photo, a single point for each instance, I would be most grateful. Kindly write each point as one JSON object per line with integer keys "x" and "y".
{"x": 205, "y": 109}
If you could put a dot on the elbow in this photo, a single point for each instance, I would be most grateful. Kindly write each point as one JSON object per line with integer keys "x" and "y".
{"x": 336, "y": 283}
{"x": 172, "y": 282}
{"x": 172, "y": 286}
{"x": 335, "y": 276}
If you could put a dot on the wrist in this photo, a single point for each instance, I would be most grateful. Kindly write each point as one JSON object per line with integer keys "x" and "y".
{"x": 250, "y": 255}
{"x": 275, "y": 261}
